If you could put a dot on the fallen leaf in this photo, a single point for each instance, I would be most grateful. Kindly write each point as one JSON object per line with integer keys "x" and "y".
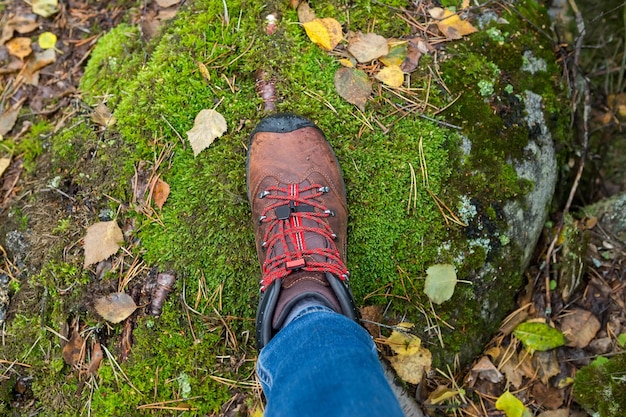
{"x": 4, "y": 164}
{"x": 353, "y": 85}
{"x": 101, "y": 241}
{"x": 45, "y": 8}
{"x": 546, "y": 396}
{"x": 160, "y": 193}
{"x": 325, "y": 33}
{"x": 440, "y": 394}
{"x": 367, "y": 47}
{"x": 538, "y": 336}
{"x": 415, "y": 49}
{"x": 347, "y": 62}
{"x": 511, "y": 406}
{"x": 96, "y": 358}
{"x": 208, "y": 125}
{"x": 73, "y": 352}
{"x": 34, "y": 64}
{"x": 450, "y": 24}
{"x": 371, "y": 315}
{"x": 305, "y": 13}
{"x": 397, "y": 52}
{"x": 485, "y": 369}
{"x": 412, "y": 361}
{"x": 115, "y": 307}
{"x": 167, "y": 3}
{"x": 25, "y": 23}
{"x": 440, "y": 282}
{"x": 47, "y": 40}
{"x": 102, "y": 115}
{"x": 546, "y": 365}
{"x": 512, "y": 371}
{"x": 392, "y": 76}
{"x": 579, "y": 327}
{"x": 8, "y": 119}
{"x": 563, "y": 412}
{"x": 19, "y": 47}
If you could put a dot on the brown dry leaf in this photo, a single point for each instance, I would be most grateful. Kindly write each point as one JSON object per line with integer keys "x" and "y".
{"x": 353, "y": 85}
{"x": 547, "y": 365}
{"x": 8, "y": 118}
{"x": 19, "y": 47}
{"x": 208, "y": 125}
{"x": 412, "y": 360}
{"x": 415, "y": 49}
{"x": 486, "y": 370}
{"x": 325, "y": 33}
{"x": 96, "y": 358}
{"x": 73, "y": 352}
{"x": 34, "y": 64}
{"x": 367, "y": 47}
{"x": 4, "y": 164}
{"x": 547, "y": 396}
{"x": 115, "y": 307}
{"x": 392, "y": 76}
{"x": 25, "y": 23}
{"x": 450, "y": 24}
{"x": 103, "y": 116}
{"x": 305, "y": 13}
{"x": 101, "y": 241}
{"x": 563, "y": 412}
{"x": 579, "y": 327}
{"x": 160, "y": 193}
{"x": 167, "y": 3}
{"x": 372, "y": 315}
{"x": 512, "y": 371}
{"x": 45, "y": 8}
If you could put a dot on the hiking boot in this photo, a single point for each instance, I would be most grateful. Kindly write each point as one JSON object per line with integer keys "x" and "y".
{"x": 298, "y": 202}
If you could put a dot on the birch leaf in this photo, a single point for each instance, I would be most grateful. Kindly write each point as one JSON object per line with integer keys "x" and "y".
{"x": 325, "y": 33}
{"x": 102, "y": 240}
{"x": 47, "y": 40}
{"x": 353, "y": 85}
{"x": 511, "y": 406}
{"x": 4, "y": 164}
{"x": 19, "y": 47}
{"x": 208, "y": 126}
{"x": 45, "y": 8}
{"x": 538, "y": 336}
{"x": 412, "y": 360}
{"x": 160, "y": 193}
{"x": 450, "y": 24}
{"x": 115, "y": 307}
{"x": 392, "y": 76}
{"x": 440, "y": 282}
{"x": 367, "y": 47}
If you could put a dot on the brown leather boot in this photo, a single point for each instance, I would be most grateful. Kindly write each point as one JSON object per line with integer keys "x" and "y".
{"x": 298, "y": 201}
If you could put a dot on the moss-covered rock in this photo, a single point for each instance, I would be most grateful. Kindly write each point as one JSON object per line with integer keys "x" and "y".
{"x": 600, "y": 387}
{"x": 488, "y": 152}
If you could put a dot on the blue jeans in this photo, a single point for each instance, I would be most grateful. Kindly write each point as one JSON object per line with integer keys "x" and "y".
{"x": 324, "y": 364}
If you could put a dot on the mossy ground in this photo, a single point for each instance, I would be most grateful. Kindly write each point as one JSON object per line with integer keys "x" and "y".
{"x": 205, "y": 233}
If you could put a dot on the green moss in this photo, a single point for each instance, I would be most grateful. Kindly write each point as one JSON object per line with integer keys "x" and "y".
{"x": 601, "y": 386}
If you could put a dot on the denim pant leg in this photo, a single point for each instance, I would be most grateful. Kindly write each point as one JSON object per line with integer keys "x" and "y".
{"x": 324, "y": 364}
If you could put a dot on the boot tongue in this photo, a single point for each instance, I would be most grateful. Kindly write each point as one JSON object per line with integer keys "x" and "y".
{"x": 301, "y": 285}
{"x": 310, "y": 240}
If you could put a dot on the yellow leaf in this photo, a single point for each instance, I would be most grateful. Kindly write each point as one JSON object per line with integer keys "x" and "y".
{"x": 392, "y": 76}
{"x": 47, "y": 40}
{"x": 511, "y": 406}
{"x": 208, "y": 125}
{"x": 45, "y": 8}
{"x": 346, "y": 62}
{"x": 450, "y": 24}
{"x": 325, "y": 33}
{"x": 4, "y": 164}
{"x": 101, "y": 241}
{"x": 412, "y": 360}
{"x": 442, "y": 393}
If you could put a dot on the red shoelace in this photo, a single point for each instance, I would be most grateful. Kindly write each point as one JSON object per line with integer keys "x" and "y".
{"x": 286, "y": 217}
